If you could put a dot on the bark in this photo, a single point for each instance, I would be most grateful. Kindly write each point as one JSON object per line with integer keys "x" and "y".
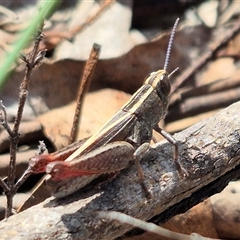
{"x": 209, "y": 151}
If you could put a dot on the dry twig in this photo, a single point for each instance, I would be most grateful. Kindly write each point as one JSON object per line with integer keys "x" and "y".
{"x": 188, "y": 73}
{"x": 150, "y": 227}
{"x": 54, "y": 37}
{"x": 200, "y": 104}
{"x": 32, "y": 62}
{"x": 83, "y": 88}
{"x": 103, "y": 6}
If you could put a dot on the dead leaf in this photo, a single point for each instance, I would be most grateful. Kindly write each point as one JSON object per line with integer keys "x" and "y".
{"x": 198, "y": 219}
{"x": 225, "y": 207}
{"x": 98, "y": 107}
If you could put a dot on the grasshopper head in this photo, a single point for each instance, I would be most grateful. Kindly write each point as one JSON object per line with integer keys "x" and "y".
{"x": 160, "y": 83}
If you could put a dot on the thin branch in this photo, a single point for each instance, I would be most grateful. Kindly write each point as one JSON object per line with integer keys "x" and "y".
{"x": 104, "y": 5}
{"x": 4, "y": 185}
{"x": 209, "y": 151}
{"x": 32, "y": 62}
{"x": 4, "y": 123}
{"x": 220, "y": 85}
{"x": 83, "y": 89}
{"x": 188, "y": 73}
{"x": 200, "y": 104}
{"x": 3, "y": 118}
{"x": 41, "y": 149}
{"x": 54, "y": 37}
{"x": 22, "y": 179}
{"x": 150, "y": 227}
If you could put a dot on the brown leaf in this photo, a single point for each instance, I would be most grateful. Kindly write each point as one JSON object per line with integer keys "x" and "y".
{"x": 225, "y": 208}
{"x": 198, "y": 219}
{"x": 99, "y": 106}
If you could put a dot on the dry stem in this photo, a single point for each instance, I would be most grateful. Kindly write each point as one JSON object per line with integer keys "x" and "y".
{"x": 32, "y": 61}
{"x": 83, "y": 88}
{"x": 198, "y": 65}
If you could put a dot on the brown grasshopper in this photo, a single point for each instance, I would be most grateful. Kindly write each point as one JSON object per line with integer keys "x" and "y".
{"x": 124, "y": 137}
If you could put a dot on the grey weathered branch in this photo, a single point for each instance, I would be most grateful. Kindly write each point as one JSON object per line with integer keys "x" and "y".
{"x": 208, "y": 150}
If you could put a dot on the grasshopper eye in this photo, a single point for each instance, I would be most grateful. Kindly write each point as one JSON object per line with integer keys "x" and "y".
{"x": 164, "y": 86}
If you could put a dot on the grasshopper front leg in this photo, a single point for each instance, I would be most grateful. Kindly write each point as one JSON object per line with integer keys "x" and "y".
{"x": 174, "y": 142}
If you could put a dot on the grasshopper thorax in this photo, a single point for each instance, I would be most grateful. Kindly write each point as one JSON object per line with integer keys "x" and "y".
{"x": 160, "y": 83}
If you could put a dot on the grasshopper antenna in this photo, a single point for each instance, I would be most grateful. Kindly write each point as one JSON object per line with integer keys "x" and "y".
{"x": 176, "y": 69}
{"x": 170, "y": 44}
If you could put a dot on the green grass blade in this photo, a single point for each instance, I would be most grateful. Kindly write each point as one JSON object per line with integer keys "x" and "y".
{"x": 45, "y": 9}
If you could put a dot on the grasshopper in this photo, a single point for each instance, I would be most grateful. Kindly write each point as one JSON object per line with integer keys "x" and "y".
{"x": 124, "y": 137}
